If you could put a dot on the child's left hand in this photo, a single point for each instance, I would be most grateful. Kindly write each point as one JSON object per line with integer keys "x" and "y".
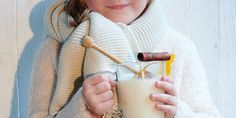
{"x": 168, "y": 97}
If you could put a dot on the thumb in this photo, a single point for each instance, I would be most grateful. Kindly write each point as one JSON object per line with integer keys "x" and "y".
{"x": 113, "y": 83}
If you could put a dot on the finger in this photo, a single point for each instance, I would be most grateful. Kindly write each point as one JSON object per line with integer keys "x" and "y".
{"x": 164, "y": 98}
{"x": 103, "y": 107}
{"x": 107, "y": 104}
{"x": 113, "y": 83}
{"x": 167, "y": 79}
{"x": 103, "y": 97}
{"x": 96, "y": 79}
{"x": 166, "y": 86}
{"x": 92, "y": 101}
{"x": 102, "y": 87}
{"x": 166, "y": 108}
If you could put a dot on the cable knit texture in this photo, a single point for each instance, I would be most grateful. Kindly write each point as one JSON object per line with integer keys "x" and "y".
{"x": 62, "y": 60}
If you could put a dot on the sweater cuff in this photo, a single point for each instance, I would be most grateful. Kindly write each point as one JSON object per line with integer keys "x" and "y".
{"x": 76, "y": 108}
{"x": 183, "y": 110}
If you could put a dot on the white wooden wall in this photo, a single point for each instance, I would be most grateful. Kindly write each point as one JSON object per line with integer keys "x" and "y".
{"x": 211, "y": 24}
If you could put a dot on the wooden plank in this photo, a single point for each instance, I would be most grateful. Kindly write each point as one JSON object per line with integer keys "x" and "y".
{"x": 227, "y": 57}
{"x": 177, "y": 14}
{"x": 30, "y": 29}
{"x": 8, "y": 54}
{"x": 204, "y": 34}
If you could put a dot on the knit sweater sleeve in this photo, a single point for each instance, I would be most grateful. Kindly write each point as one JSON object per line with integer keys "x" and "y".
{"x": 194, "y": 97}
{"x": 43, "y": 83}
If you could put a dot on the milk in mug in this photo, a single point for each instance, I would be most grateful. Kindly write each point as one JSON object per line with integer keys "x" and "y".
{"x": 134, "y": 97}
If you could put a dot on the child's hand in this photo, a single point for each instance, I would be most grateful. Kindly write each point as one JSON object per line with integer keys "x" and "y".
{"x": 168, "y": 98}
{"x": 97, "y": 91}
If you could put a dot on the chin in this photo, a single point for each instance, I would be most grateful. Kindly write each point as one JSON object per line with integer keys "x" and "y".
{"x": 125, "y": 20}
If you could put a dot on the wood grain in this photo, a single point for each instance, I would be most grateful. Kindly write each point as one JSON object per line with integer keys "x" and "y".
{"x": 227, "y": 57}
{"x": 8, "y": 54}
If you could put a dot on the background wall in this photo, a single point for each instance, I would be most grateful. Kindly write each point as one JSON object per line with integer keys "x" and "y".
{"x": 211, "y": 24}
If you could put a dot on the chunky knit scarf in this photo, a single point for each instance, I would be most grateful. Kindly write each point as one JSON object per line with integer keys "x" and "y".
{"x": 120, "y": 40}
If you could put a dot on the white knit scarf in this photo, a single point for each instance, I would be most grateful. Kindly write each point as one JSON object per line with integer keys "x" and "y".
{"x": 120, "y": 40}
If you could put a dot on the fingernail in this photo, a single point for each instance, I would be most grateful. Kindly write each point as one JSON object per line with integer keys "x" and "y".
{"x": 157, "y": 107}
{"x": 153, "y": 97}
{"x": 158, "y": 84}
{"x": 114, "y": 83}
{"x": 164, "y": 78}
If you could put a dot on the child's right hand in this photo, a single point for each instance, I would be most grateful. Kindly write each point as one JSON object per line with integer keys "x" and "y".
{"x": 97, "y": 91}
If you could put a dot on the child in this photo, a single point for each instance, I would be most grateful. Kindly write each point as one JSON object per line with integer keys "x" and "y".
{"x": 122, "y": 28}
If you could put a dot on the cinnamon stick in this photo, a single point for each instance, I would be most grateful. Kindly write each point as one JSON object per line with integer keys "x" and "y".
{"x": 150, "y": 56}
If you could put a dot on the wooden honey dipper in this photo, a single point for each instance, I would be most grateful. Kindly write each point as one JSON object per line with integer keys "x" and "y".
{"x": 88, "y": 43}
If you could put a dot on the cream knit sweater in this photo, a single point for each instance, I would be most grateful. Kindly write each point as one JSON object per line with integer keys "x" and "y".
{"x": 62, "y": 59}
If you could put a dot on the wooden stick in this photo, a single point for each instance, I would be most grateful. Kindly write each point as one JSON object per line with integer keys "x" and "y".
{"x": 88, "y": 43}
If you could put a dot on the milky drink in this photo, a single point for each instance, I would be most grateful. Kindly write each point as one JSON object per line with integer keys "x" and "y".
{"x": 134, "y": 97}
